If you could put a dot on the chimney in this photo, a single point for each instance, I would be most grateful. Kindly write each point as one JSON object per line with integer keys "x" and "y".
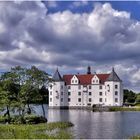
{"x": 88, "y": 70}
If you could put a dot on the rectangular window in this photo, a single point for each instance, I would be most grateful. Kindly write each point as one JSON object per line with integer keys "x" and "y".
{"x": 100, "y": 99}
{"x": 116, "y": 92}
{"x": 61, "y": 86}
{"x": 89, "y": 93}
{"x": 100, "y": 87}
{"x": 79, "y": 99}
{"x": 68, "y": 87}
{"x": 100, "y": 93}
{"x": 89, "y": 86}
{"x": 61, "y": 99}
{"x": 79, "y": 93}
{"x": 50, "y": 99}
{"x": 50, "y": 92}
{"x": 68, "y": 99}
{"x": 50, "y": 86}
{"x": 105, "y": 99}
{"x": 89, "y": 99}
{"x": 61, "y": 93}
{"x": 116, "y": 86}
{"x": 116, "y": 100}
{"x": 79, "y": 87}
{"x": 69, "y": 93}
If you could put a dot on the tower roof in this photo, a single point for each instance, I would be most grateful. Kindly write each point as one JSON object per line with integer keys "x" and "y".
{"x": 57, "y": 76}
{"x": 113, "y": 76}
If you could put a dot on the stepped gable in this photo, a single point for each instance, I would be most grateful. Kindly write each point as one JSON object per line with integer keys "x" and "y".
{"x": 57, "y": 76}
{"x": 85, "y": 79}
{"x": 113, "y": 76}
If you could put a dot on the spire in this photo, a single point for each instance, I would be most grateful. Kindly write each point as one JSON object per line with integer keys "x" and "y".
{"x": 113, "y": 76}
{"x": 57, "y": 76}
{"x": 88, "y": 70}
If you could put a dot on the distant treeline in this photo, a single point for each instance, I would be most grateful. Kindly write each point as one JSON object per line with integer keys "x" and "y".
{"x": 131, "y": 97}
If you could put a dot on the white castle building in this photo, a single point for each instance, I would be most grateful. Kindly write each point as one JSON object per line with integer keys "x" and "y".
{"x": 82, "y": 90}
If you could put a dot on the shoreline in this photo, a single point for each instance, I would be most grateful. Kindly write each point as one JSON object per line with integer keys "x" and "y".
{"x": 99, "y": 109}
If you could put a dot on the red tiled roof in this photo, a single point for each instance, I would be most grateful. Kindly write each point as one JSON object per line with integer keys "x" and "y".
{"x": 85, "y": 79}
{"x": 103, "y": 77}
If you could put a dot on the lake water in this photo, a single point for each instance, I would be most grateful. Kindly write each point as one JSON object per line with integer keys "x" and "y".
{"x": 88, "y": 124}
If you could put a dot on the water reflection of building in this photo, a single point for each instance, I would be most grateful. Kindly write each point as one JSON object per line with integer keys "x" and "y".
{"x": 81, "y": 90}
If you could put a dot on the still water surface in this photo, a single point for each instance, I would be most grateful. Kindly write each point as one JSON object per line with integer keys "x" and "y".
{"x": 88, "y": 124}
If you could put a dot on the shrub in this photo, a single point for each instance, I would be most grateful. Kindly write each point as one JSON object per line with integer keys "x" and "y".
{"x": 29, "y": 119}
{"x": 2, "y": 119}
{"x": 32, "y": 119}
{"x": 17, "y": 120}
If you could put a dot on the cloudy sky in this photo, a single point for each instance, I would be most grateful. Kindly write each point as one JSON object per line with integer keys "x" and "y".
{"x": 72, "y": 35}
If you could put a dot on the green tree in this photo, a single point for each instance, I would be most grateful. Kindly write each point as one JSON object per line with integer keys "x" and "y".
{"x": 129, "y": 96}
{"x": 20, "y": 86}
{"x": 39, "y": 79}
{"x": 138, "y": 98}
{"x": 8, "y": 91}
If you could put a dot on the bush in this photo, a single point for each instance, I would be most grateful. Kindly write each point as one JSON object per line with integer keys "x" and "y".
{"x": 29, "y": 119}
{"x": 17, "y": 120}
{"x": 32, "y": 119}
{"x": 2, "y": 119}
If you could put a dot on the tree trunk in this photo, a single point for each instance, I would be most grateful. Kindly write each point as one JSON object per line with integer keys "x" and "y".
{"x": 8, "y": 113}
{"x": 43, "y": 109}
{"x": 29, "y": 109}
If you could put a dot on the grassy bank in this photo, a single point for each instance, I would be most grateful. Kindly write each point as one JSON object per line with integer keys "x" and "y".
{"x": 135, "y": 137}
{"x": 36, "y": 131}
{"x": 124, "y": 108}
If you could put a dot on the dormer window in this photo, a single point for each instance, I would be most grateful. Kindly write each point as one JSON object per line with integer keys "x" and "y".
{"x": 74, "y": 80}
{"x": 95, "y": 80}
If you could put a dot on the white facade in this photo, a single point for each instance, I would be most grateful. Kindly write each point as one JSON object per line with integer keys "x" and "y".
{"x": 86, "y": 90}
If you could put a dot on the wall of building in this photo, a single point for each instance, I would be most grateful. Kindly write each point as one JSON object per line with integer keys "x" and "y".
{"x": 79, "y": 95}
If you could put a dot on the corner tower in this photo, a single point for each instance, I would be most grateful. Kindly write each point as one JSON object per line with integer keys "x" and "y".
{"x": 114, "y": 89}
{"x": 56, "y": 91}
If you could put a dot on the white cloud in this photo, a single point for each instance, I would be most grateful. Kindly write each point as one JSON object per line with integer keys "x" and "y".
{"x": 79, "y": 3}
{"x": 102, "y": 38}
